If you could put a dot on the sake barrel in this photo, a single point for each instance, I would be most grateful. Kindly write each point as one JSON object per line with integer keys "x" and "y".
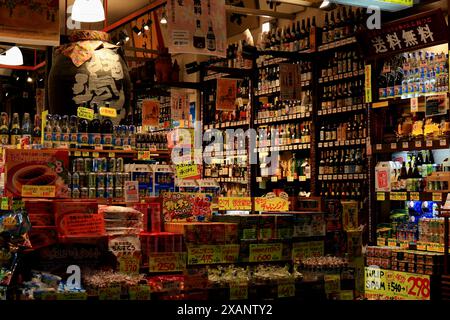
{"x": 90, "y": 70}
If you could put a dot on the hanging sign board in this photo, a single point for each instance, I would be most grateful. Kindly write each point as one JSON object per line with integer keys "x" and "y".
{"x": 226, "y": 94}
{"x": 407, "y": 34}
{"x": 150, "y": 113}
{"x": 197, "y": 27}
{"x": 289, "y": 81}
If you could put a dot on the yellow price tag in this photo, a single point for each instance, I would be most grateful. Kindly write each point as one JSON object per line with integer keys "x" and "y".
{"x": 414, "y": 196}
{"x": 437, "y": 196}
{"x": 112, "y": 154}
{"x": 286, "y": 290}
{"x": 85, "y": 113}
{"x": 422, "y": 246}
{"x": 262, "y": 252}
{"x": 381, "y": 242}
{"x": 77, "y": 153}
{"x": 140, "y": 292}
{"x": 38, "y": 191}
{"x": 392, "y": 242}
{"x": 109, "y": 293}
{"x": 143, "y": 155}
{"x": 368, "y": 83}
{"x": 404, "y": 244}
{"x": 129, "y": 264}
{"x": 167, "y": 262}
{"x": 108, "y": 112}
{"x": 380, "y": 196}
{"x": 238, "y": 292}
{"x": 184, "y": 171}
{"x": 95, "y": 154}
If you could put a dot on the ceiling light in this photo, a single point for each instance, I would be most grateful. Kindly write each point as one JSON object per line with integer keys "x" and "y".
{"x": 18, "y": 78}
{"x": 266, "y": 27}
{"x": 147, "y": 25}
{"x": 325, "y": 4}
{"x": 6, "y": 94}
{"x": 88, "y": 11}
{"x": 29, "y": 79}
{"x": 137, "y": 30}
{"x": 12, "y": 57}
{"x": 123, "y": 36}
{"x": 163, "y": 17}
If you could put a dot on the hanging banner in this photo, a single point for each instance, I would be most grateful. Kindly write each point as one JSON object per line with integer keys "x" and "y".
{"x": 179, "y": 105}
{"x": 384, "y": 284}
{"x": 290, "y": 87}
{"x": 226, "y": 94}
{"x": 407, "y": 34}
{"x": 33, "y": 23}
{"x": 197, "y": 27}
{"x": 150, "y": 113}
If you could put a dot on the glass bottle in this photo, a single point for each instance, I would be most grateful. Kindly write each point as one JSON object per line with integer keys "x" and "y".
{"x": 199, "y": 38}
{"x": 16, "y": 133}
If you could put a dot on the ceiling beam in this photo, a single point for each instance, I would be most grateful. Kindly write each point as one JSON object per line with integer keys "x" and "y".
{"x": 133, "y": 16}
{"x": 301, "y": 3}
{"x": 260, "y": 13}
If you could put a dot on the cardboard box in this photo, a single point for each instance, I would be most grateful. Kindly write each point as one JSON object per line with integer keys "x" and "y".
{"x": 36, "y": 173}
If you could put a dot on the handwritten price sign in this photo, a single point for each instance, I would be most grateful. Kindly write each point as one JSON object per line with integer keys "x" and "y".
{"x": 140, "y": 292}
{"x": 204, "y": 254}
{"x": 230, "y": 253}
{"x": 265, "y": 252}
{"x": 129, "y": 264}
{"x": 286, "y": 290}
{"x": 185, "y": 171}
{"x": 108, "y": 112}
{"x": 396, "y": 285}
{"x": 85, "y": 113}
{"x": 167, "y": 262}
{"x": 38, "y": 191}
{"x": 276, "y": 204}
{"x": 109, "y": 293}
{"x": 238, "y": 292}
{"x": 235, "y": 203}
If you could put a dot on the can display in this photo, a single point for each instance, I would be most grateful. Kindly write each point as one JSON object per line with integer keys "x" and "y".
{"x": 100, "y": 193}
{"x": 101, "y": 180}
{"x": 112, "y": 165}
{"x": 109, "y": 193}
{"x": 92, "y": 181}
{"x": 76, "y": 193}
{"x": 75, "y": 180}
{"x": 119, "y": 164}
{"x": 118, "y": 193}
{"x": 84, "y": 193}
{"x": 92, "y": 193}
{"x": 82, "y": 179}
{"x": 119, "y": 179}
{"x": 109, "y": 183}
{"x": 79, "y": 165}
{"x": 88, "y": 164}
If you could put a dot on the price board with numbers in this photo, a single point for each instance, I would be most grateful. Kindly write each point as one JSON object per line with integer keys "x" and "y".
{"x": 381, "y": 284}
{"x": 286, "y": 289}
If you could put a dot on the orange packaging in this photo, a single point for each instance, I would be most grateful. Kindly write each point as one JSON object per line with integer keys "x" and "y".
{"x": 36, "y": 173}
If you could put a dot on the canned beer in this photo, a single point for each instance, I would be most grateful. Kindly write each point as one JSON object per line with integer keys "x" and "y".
{"x": 75, "y": 180}
{"x": 92, "y": 181}
{"x": 76, "y": 193}
{"x": 109, "y": 193}
{"x": 119, "y": 179}
{"x": 84, "y": 193}
{"x": 111, "y": 165}
{"x": 82, "y": 179}
{"x": 118, "y": 193}
{"x": 88, "y": 164}
{"x": 101, "y": 180}
{"x": 100, "y": 193}
{"x": 79, "y": 165}
{"x": 126, "y": 176}
{"x": 103, "y": 165}
{"x": 92, "y": 193}
{"x": 119, "y": 164}
{"x": 109, "y": 183}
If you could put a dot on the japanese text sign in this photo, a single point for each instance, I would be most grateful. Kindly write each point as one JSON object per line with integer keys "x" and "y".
{"x": 407, "y": 34}
{"x": 394, "y": 285}
{"x": 235, "y": 203}
{"x": 276, "y": 204}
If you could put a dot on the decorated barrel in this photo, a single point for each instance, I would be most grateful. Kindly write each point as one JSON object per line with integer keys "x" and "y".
{"x": 89, "y": 70}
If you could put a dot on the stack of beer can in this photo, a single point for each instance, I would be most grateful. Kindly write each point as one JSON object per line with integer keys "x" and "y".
{"x": 98, "y": 178}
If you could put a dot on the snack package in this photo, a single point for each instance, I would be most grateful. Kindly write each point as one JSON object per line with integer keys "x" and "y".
{"x": 14, "y": 226}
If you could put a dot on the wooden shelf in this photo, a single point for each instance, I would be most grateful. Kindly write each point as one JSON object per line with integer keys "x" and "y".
{"x": 290, "y": 117}
{"x": 342, "y": 143}
{"x": 409, "y": 196}
{"x": 416, "y": 145}
{"x": 343, "y": 110}
{"x": 337, "y": 44}
{"x": 342, "y": 76}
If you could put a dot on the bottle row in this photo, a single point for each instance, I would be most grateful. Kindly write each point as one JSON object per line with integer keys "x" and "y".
{"x": 284, "y": 134}
{"x": 234, "y": 190}
{"x": 342, "y": 190}
{"x": 295, "y": 37}
{"x": 413, "y": 74}
{"x": 351, "y": 130}
{"x": 284, "y": 108}
{"x": 343, "y": 26}
{"x": 351, "y": 161}
{"x": 288, "y": 168}
{"x": 342, "y": 95}
{"x": 12, "y": 132}
{"x": 229, "y": 170}
{"x": 342, "y": 62}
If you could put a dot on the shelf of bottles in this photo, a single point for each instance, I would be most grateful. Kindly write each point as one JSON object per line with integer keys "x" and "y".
{"x": 414, "y": 74}
{"x": 341, "y": 141}
{"x": 230, "y": 164}
{"x": 340, "y": 27}
{"x": 410, "y": 145}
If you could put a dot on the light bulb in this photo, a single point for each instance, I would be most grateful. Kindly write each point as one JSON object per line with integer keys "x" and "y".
{"x": 88, "y": 11}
